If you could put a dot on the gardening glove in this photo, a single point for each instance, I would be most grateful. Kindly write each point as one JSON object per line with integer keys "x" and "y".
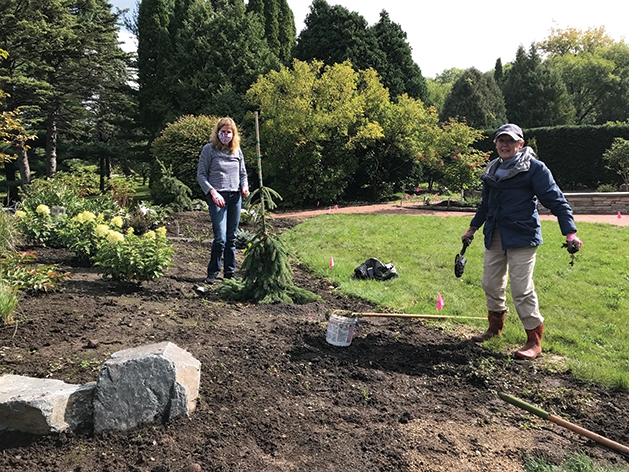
{"x": 573, "y": 244}
{"x": 217, "y": 198}
{"x": 468, "y": 237}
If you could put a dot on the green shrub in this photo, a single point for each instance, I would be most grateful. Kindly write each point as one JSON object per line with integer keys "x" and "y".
{"x": 39, "y": 227}
{"x": 52, "y": 192}
{"x": 80, "y": 234}
{"x": 180, "y": 144}
{"x": 145, "y": 216}
{"x": 606, "y": 188}
{"x": 133, "y": 258}
{"x": 617, "y": 158}
{"x": 122, "y": 190}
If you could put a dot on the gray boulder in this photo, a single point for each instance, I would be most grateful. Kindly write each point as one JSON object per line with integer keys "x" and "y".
{"x": 144, "y": 385}
{"x": 44, "y": 406}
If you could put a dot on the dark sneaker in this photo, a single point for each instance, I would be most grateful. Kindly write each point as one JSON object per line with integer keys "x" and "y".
{"x": 231, "y": 275}
{"x": 210, "y": 279}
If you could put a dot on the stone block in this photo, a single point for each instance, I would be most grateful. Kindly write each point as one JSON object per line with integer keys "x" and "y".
{"x": 44, "y": 406}
{"x": 144, "y": 385}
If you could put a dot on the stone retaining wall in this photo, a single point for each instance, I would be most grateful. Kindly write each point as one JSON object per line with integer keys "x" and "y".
{"x": 596, "y": 203}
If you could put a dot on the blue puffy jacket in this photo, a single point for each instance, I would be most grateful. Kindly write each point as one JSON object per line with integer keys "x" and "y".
{"x": 509, "y": 203}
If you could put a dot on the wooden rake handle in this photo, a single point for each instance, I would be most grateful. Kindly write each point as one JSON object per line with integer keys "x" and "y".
{"x": 566, "y": 424}
{"x": 406, "y": 315}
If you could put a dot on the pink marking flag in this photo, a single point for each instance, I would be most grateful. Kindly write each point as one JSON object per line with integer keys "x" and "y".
{"x": 619, "y": 215}
{"x": 331, "y": 262}
{"x": 440, "y": 302}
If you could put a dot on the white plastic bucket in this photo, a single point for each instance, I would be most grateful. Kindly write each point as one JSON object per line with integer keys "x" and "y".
{"x": 341, "y": 330}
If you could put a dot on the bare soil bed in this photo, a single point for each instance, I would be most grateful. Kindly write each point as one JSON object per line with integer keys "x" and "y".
{"x": 406, "y": 395}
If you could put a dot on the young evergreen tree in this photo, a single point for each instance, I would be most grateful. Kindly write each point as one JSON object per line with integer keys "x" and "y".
{"x": 399, "y": 73}
{"x": 534, "y": 93}
{"x": 477, "y": 99}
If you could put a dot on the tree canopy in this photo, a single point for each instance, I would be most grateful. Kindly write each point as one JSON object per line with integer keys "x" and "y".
{"x": 62, "y": 55}
{"x": 333, "y": 35}
{"x": 197, "y": 57}
{"x": 534, "y": 93}
{"x": 476, "y": 98}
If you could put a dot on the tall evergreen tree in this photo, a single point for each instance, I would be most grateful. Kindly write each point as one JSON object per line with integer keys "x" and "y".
{"x": 535, "y": 94}
{"x": 333, "y": 35}
{"x": 279, "y": 26}
{"x": 62, "y": 54}
{"x": 399, "y": 73}
{"x": 155, "y": 57}
{"x": 219, "y": 54}
{"x": 498, "y": 73}
{"x": 476, "y": 98}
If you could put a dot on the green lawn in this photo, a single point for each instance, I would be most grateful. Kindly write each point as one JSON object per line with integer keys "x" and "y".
{"x": 586, "y": 305}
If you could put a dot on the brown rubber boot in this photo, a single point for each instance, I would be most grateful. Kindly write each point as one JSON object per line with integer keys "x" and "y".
{"x": 533, "y": 346}
{"x": 496, "y": 322}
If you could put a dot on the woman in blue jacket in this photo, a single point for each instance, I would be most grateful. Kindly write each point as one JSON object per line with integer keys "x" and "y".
{"x": 512, "y": 185}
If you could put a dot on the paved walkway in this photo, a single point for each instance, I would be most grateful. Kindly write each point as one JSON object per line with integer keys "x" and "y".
{"x": 419, "y": 209}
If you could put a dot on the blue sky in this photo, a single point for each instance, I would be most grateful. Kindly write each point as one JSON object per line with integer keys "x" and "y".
{"x": 465, "y": 33}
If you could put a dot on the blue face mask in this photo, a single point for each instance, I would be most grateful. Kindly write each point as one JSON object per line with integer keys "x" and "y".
{"x": 225, "y": 137}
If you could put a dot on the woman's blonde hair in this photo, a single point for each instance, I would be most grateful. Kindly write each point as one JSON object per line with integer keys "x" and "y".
{"x": 235, "y": 142}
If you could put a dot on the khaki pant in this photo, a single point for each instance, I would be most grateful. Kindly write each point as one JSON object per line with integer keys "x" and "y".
{"x": 519, "y": 263}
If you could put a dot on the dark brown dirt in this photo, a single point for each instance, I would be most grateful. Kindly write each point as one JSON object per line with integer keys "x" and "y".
{"x": 407, "y": 395}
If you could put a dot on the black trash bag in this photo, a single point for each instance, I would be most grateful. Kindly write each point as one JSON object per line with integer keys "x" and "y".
{"x": 372, "y": 268}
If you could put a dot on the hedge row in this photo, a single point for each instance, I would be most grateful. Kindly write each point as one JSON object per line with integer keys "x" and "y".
{"x": 574, "y": 154}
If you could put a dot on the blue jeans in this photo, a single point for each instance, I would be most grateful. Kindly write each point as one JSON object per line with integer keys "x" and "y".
{"x": 225, "y": 223}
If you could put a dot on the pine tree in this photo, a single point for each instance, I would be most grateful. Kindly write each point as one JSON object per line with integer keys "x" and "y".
{"x": 219, "y": 54}
{"x": 267, "y": 275}
{"x": 498, "y": 73}
{"x": 400, "y": 74}
{"x": 155, "y": 58}
{"x": 477, "y": 99}
{"x": 62, "y": 54}
{"x": 534, "y": 93}
{"x": 334, "y": 35}
{"x": 279, "y": 26}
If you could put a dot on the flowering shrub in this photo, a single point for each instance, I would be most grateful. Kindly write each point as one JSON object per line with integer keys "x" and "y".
{"x": 78, "y": 234}
{"x": 130, "y": 257}
{"x": 18, "y": 271}
{"x": 39, "y": 227}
